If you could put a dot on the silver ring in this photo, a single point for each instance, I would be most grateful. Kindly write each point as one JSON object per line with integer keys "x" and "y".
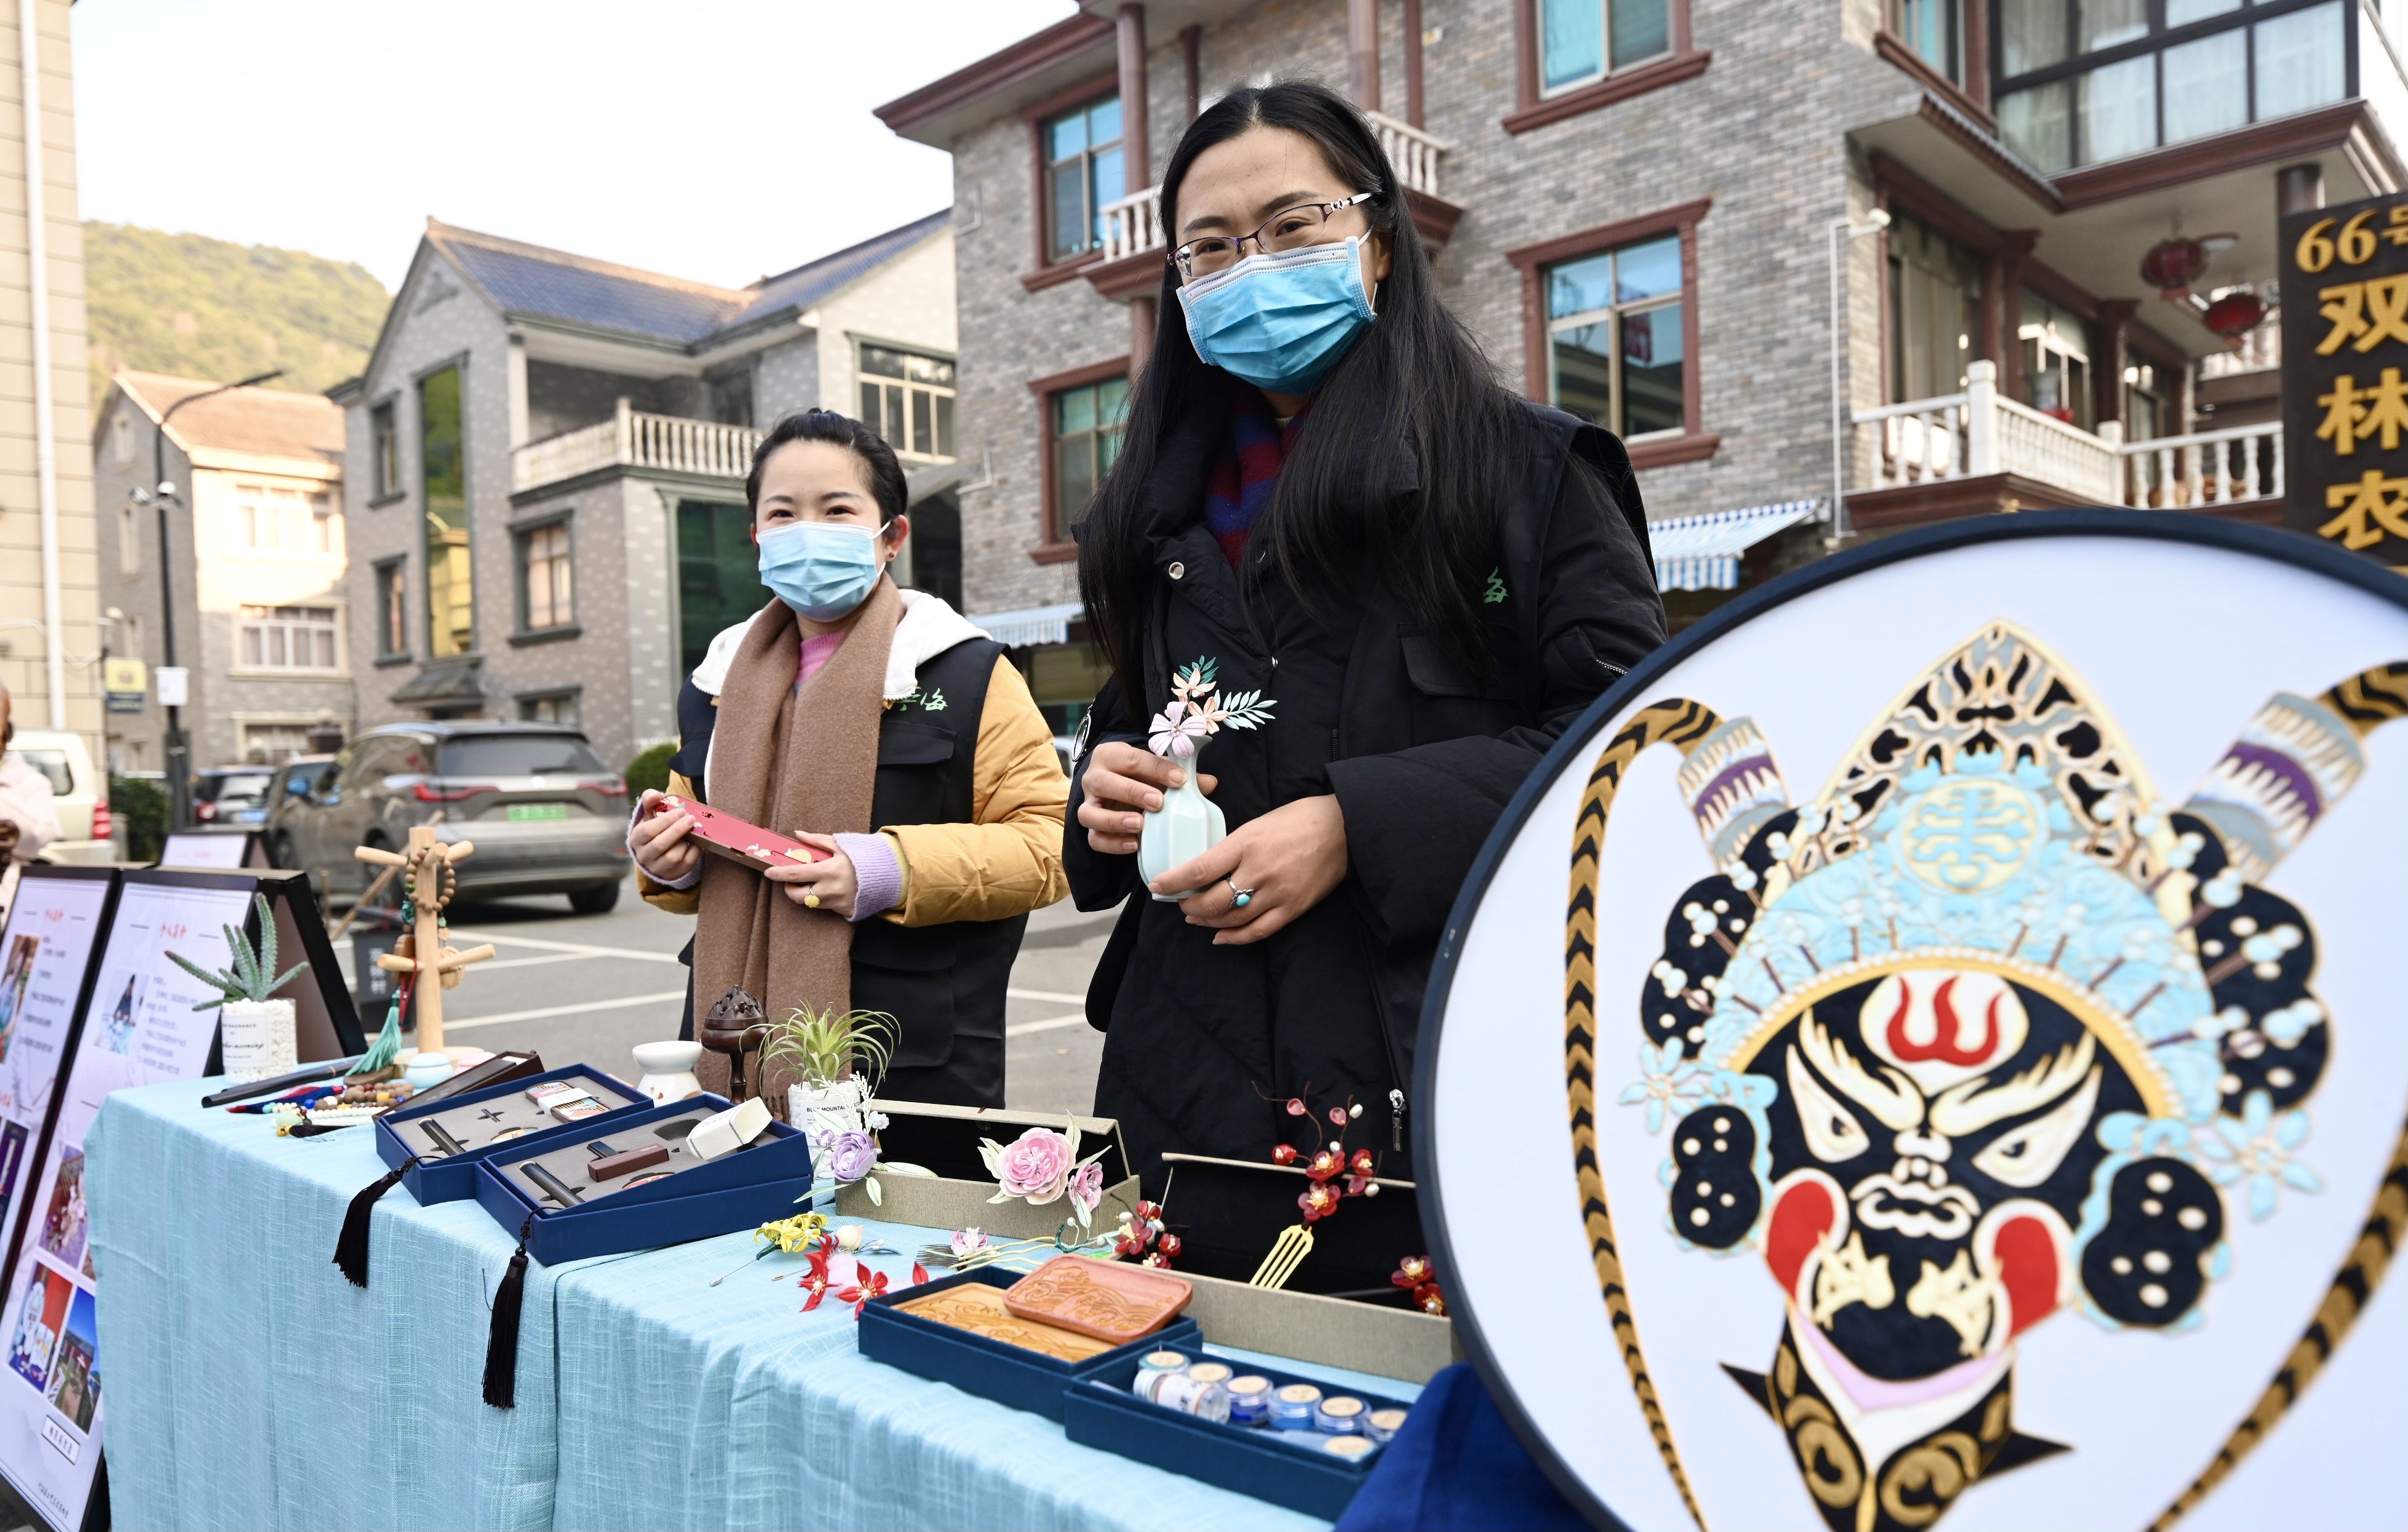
{"x": 1243, "y": 896}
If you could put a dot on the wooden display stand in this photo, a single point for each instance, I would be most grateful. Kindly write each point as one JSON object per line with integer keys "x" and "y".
{"x": 425, "y": 864}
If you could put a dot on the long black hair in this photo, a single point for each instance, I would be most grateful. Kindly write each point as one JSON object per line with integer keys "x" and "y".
{"x": 1414, "y": 389}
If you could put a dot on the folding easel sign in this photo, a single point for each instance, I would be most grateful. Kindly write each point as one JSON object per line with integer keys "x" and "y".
{"x": 1925, "y": 1049}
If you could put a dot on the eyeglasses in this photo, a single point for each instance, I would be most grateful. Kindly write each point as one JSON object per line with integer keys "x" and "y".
{"x": 1291, "y": 229}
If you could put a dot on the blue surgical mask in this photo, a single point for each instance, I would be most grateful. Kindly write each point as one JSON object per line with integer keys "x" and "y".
{"x": 1281, "y": 321}
{"x": 821, "y": 569}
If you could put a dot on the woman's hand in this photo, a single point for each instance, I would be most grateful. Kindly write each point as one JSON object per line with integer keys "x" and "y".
{"x": 1289, "y": 860}
{"x": 829, "y": 883}
{"x": 659, "y": 843}
{"x": 1122, "y": 783}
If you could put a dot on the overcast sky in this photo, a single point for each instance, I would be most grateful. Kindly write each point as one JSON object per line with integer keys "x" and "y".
{"x": 713, "y": 139}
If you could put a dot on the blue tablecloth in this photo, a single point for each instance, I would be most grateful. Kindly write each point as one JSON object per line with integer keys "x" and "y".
{"x": 247, "y": 1385}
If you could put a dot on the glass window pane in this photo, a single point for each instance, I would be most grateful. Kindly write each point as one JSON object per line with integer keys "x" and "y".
{"x": 1929, "y": 28}
{"x": 1108, "y": 186}
{"x": 1641, "y": 29}
{"x": 1572, "y": 41}
{"x": 1074, "y": 409}
{"x": 1108, "y": 449}
{"x": 2299, "y": 61}
{"x": 2183, "y": 12}
{"x": 2207, "y": 86}
{"x": 2107, "y": 22}
{"x": 250, "y": 646}
{"x": 1649, "y": 270}
{"x": 944, "y": 425}
{"x": 2035, "y": 126}
{"x": 1074, "y": 477}
{"x": 1651, "y": 371}
{"x": 1066, "y": 136}
{"x": 869, "y": 404}
{"x": 1104, "y": 123}
{"x": 2031, "y": 33}
{"x": 894, "y": 427}
{"x": 451, "y": 594}
{"x": 1111, "y": 402}
{"x": 325, "y": 650}
{"x": 1066, "y": 213}
{"x": 2119, "y": 109}
{"x": 882, "y": 360}
{"x": 1577, "y": 287}
{"x": 276, "y": 650}
{"x": 1584, "y": 372}
{"x": 924, "y": 424}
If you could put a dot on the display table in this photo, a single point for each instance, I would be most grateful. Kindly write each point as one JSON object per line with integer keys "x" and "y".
{"x": 247, "y": 1385}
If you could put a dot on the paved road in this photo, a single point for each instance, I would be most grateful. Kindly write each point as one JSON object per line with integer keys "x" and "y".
{"x": 588, "y": 988}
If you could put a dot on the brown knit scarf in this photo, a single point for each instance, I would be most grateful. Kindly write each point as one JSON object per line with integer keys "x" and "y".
{"x": 790, "y": 761}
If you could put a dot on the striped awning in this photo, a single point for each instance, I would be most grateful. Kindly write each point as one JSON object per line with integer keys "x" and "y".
{"x": 1702, "y": 552}
{"x": 1032, "y": 625}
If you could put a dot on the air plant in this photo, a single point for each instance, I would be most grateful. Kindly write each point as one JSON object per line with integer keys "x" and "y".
{"x": 247, "y": 978}
{"x": 827, "y": 1045}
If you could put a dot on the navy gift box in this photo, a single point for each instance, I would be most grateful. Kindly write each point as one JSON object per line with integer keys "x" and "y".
{"x": 769, "y": 1180}
{"x": 454, "y": 1176}
{"x": 1100, "y": 1412}
{"x": 1025, "y": 1380}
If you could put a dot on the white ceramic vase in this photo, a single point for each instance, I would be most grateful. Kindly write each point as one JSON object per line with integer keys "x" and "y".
{"x": 256, "y": 1039}
{"x": 836, "y": 1107}
{"x": 668, "y": 1070}
{"x": 1186, "y": 827}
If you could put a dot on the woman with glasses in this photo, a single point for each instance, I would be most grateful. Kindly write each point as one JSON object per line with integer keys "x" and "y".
{"x": 1323, "y": 500}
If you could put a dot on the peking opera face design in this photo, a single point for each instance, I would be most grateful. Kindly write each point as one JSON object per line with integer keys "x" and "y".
{"x": 1986, "y": 1037}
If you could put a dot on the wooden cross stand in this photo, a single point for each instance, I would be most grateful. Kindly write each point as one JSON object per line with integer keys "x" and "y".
{"x": 427, "y": 866}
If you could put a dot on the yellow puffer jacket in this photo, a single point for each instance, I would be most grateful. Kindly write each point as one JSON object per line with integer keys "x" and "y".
{"x": 1007, "y": 859}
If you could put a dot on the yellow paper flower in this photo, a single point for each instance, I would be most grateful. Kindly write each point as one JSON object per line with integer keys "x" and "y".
{"x": 798, "y": 1233}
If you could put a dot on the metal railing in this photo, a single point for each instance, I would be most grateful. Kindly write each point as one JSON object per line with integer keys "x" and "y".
{"x": 633, "y": 438}
{"x": 1134, "y": 223}
{"x": 1981, "y": 431}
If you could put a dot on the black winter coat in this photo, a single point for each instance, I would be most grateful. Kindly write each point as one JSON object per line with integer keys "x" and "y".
{"x": 1203, "y": 1043}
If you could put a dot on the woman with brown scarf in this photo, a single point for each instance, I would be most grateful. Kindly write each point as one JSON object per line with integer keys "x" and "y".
{"x": 881, "y": 729}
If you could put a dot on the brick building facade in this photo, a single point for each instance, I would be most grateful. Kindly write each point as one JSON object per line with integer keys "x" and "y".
{"x": 1639, "y": 205}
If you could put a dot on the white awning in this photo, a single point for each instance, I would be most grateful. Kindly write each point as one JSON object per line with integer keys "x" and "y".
{"x": 1034, "y": 625}
{"x": 1702, "y": 552}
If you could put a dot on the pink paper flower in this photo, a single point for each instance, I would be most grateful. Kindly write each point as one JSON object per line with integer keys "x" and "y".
{"x": 1087, "y": 1186}
{"x": 969, "y": 1241}
{"x": 1034, "y": 1166}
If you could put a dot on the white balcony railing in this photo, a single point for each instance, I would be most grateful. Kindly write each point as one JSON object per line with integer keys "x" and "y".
{"x": 632, "y": 438}
{"x": 2261, "y": 348}
{"x": 1134, "y": 223}
{"x": 1980, "y": 430}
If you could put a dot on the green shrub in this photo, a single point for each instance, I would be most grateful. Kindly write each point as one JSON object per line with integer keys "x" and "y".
{"x": 649, "y": 770}
{"x": 141, "y": 807}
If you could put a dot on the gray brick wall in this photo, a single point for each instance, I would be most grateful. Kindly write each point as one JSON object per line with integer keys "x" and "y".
{"x": 1762, "y": 133}
{"x": 786, "y": 379}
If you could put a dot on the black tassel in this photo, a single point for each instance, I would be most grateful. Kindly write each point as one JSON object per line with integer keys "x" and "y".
{"x": 352, "y": 1245}
{"x": 502, "y": 1342}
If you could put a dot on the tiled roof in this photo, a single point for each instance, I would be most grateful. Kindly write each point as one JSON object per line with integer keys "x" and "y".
{"x": 530, "y": 280}
{"x": 554, "y": 285}
{"x": 271, "y": 422}
{"x": 807, "y": 284}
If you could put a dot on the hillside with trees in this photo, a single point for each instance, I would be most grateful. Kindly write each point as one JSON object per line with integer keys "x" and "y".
{"x": 203, "y": 308}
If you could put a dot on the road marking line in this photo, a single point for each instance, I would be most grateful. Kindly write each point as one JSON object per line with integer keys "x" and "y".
{"x": 1053, "y": 995}
{"x": 542, "y": 1011}
{"x": 578, "y": 949}
{"x": 1050, "y": 1024}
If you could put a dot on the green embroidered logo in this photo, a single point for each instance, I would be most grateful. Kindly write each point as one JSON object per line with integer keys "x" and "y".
{"x": 1494, "y": 594}
{"x": 926, "y": 699}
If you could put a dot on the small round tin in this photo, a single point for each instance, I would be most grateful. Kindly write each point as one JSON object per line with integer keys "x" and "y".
{"x": 1250, "y": 1400}
{"x": 1211, "y": 1372}
{"x": 1293, "y": 1405}
{"x": 1381, "y": 1424}
{"x": 1163, "y": 1361}
{"x": 1352, "y": 1449}
{"x": 1339, "y": 1415}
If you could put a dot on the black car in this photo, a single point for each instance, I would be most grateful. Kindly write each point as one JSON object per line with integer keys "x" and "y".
{"x": 547, "y": 816}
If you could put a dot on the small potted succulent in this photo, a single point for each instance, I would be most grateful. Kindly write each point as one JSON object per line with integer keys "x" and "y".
{"x": 256, "y": 1032}
{"x": 842, "y": 1057}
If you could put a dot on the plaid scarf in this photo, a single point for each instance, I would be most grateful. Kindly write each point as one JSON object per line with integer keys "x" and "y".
{"x": 1246, "y": 472}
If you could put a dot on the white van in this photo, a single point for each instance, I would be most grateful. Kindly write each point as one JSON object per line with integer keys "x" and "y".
{"x": 83, "y": 795}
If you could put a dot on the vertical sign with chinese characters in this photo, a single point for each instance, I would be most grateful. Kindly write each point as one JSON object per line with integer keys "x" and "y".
{"x": 2345, "y": 375}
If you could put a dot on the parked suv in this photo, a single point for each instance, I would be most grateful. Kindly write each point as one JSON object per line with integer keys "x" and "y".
{"x": 231, "y": 795}
{"x": 82, "y": 796}
{"x": 547, "y": 816}
{"x": 295, "y": 780}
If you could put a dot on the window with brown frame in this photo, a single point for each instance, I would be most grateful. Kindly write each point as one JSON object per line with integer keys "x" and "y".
{"x": 1083, "y": 171}
{"x": 1610, "y": 331}
{"x": 1575, "y": 56}
{"x": 1081, "y": 415}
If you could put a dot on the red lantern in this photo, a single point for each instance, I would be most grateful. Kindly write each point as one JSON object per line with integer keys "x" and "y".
{"x": 2235, "y": 314}
{"x": 2173, "y": 264}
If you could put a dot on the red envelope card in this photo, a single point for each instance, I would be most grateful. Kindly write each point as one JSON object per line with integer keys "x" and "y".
{"x": 724, "y": 834}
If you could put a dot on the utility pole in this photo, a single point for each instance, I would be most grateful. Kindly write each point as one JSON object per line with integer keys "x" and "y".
{"x": 180, "y": 766}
